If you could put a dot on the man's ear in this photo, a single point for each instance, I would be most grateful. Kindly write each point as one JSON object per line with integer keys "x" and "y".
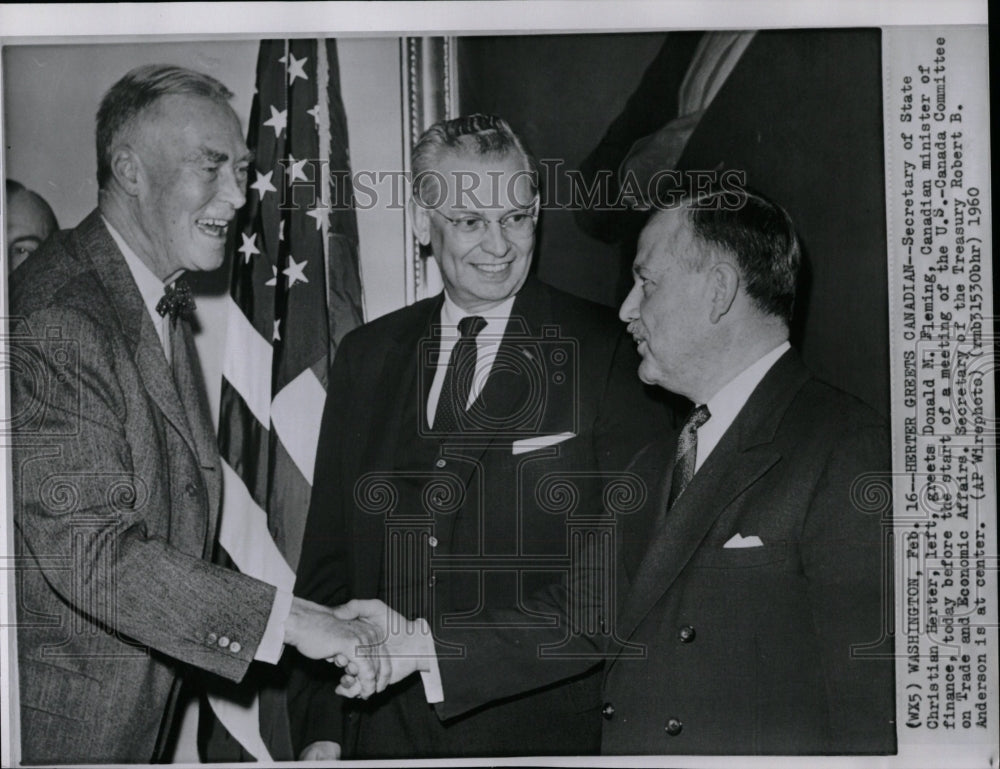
{"x": 421, "y": 222}
{"x": 723, "y": 284}
{"x": 126, "y": 169}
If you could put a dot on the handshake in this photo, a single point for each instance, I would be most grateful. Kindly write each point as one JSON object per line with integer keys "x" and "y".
{"x": 375, "y": 645}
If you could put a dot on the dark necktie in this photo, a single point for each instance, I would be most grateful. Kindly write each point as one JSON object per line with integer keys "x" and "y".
{"x": 687, "y": 453}
{"x": 176, "y": 300}
{"x": 458, "y": 377}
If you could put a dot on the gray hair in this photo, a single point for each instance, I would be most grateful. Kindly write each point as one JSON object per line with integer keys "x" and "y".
{"x": 136, "y": 92}
{"x": 478, "y": 135}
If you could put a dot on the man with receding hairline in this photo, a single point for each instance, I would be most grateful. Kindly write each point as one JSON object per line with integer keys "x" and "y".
{"x": 117, "y": 478}
{"x": 464, "y": 439}
{"x": 752, "y": 583}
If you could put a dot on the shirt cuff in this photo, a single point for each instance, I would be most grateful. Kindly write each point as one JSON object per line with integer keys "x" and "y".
{"x": 433, "y": 687}
{"x": 272, "y": 643}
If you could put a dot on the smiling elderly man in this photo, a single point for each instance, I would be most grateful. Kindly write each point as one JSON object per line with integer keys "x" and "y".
{"x": 117, "y": 478}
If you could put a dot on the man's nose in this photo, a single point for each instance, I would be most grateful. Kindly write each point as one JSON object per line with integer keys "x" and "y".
{"x": 495, "y": 240}
{"x": 232, "y": 190}
{"x": 629, "y": 310}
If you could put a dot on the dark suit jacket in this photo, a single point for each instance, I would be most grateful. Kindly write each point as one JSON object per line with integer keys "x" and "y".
{"x": 117, "y": 486}
{"x": 773, "y": 649}
{"x": 500, "y": 572}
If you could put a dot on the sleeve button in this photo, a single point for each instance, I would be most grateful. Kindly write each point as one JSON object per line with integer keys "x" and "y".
{"x": 224, "y": 642}
{"x": 673, "y": 726}
{"x": 235, "y": 647}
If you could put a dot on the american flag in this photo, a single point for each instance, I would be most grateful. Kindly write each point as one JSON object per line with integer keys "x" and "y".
{"x": 295, "y": 291}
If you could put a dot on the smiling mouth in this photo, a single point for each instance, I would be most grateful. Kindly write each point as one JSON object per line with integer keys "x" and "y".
{"x": 214, "y": 228}
{"x": 493, "y": 269}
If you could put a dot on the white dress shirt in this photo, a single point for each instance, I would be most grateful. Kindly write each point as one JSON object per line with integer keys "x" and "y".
{"x": 150, "y": 288}
{"x": 487, "y": 343}
{"x": 726, "y": 404}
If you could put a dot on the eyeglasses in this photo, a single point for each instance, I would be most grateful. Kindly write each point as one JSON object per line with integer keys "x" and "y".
{"x": 515, "y": 223}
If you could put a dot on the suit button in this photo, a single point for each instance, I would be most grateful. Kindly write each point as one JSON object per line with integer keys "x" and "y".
{"x": 673, "y": 726}
{"x": 432, "y": 541}
{"x": 608, "y": 711}
{"x": 235, "y": 647}
{"x": 441, "y": 463}
{"x": 686, "y": 634}
{"x": 224, "y": 642}
{"x": 211, "y": 638}
{"x": 191, "y": 489}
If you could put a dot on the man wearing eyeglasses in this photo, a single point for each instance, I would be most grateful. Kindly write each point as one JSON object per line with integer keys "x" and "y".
{"x": 469, "y": 470}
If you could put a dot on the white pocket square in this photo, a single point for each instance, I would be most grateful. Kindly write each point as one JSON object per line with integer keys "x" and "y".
{"x": 738, "y": 540}
{"x": 539, "y": 442}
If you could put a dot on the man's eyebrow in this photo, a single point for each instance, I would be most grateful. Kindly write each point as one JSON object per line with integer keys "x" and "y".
{"x": 207, "y": 153}
{"x": 26, "y": 239}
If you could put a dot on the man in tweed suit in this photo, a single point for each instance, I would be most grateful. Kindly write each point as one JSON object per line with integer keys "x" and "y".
{"x": 117, "y": 480}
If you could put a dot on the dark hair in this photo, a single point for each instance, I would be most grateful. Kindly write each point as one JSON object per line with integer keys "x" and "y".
{"x": 760, "y": 236}
{"x": 11, "y": 187}
{"x": 137, "y": 91}
{"x": 476, "y": 134}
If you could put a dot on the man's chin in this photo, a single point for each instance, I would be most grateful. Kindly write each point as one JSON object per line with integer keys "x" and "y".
{"x": 207, "y": 261}
{"x": 649, "y": 375}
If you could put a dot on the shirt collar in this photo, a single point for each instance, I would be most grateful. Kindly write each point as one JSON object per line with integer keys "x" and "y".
{"x": 731, "y": 398}
{"x": 496, "y": 318}
{"x": 726, "y": 404}
{"x": 150, "y": 286}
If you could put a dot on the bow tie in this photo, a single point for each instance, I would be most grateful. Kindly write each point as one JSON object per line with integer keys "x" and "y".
{"x": 176, "y": 300}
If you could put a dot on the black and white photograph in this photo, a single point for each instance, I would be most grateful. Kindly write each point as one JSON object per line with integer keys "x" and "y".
{"x": 498, "y": 383}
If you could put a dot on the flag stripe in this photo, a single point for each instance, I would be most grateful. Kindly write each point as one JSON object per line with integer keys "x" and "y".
{"x": 248, "y": 540}
{"x": 295, "y": 416}
{"x": 247, "y": 363}
{"x": 243, "y": 445}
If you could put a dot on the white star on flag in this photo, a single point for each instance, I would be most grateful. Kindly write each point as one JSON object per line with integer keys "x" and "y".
{"x": 295, "y": 67}
{"x": 295, "y": 271}
{"x": 296, "y": 170}
{"x": 273, "y": 281}
{"x": 249, "y": 247}
{"x": 263, "y": 184}
{"x": 319, "y": 213}
{"x": 278, "y": 121}
{"x": 276, "y": 335}
{"x": 315, "y": 113}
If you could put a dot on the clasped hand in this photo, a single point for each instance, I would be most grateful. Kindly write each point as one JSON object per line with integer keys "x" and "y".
{"x": 405, "y": 646}
{"x": 375, "y": 645}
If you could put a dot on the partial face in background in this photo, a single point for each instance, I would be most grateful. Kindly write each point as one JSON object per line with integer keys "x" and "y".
{"x": 480, "y": 227}
{"x": 667, "y": 310}
{"x": 193, "y": 164}
{"x": 29, "y": 222}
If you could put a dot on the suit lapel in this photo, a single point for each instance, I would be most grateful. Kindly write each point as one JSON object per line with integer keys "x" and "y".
{"x": 137, "y": 327}
{"x": 191, "y": 387}
{"x": 742, "y": 456}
